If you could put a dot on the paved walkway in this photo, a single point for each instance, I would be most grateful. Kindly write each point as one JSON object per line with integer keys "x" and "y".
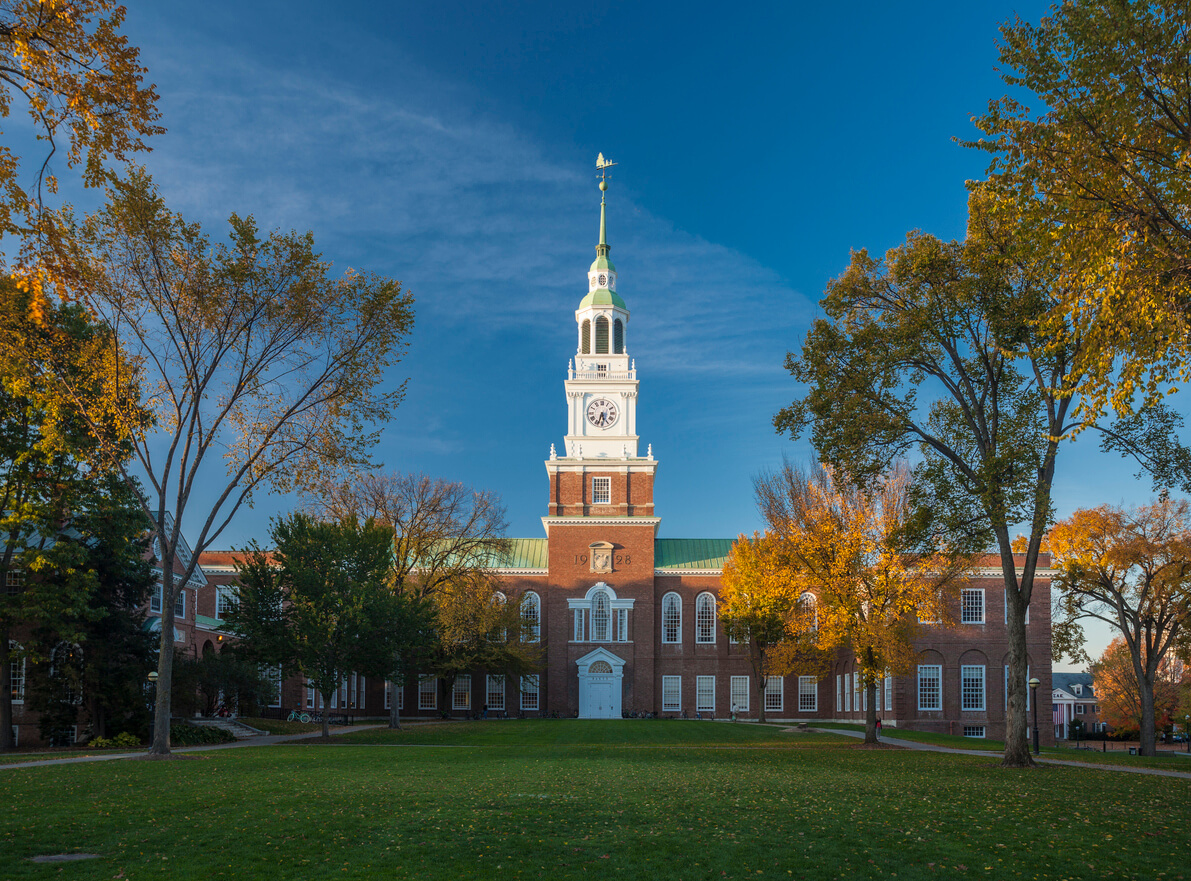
{"x": 927, "y": 747}
{"x": 263, "y": 740}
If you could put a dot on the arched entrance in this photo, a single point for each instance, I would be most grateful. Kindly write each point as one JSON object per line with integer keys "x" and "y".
{"x": 601, "y": 675}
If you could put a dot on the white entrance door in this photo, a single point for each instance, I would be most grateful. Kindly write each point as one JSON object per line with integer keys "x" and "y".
{"x": 600, "y": 699}
{"x": 600, "y": 681}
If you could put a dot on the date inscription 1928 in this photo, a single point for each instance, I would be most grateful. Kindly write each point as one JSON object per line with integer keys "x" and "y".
{"x": 626, "y": 559}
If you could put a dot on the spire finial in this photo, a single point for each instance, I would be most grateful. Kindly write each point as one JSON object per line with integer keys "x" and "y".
{"x": 602, "y": 166}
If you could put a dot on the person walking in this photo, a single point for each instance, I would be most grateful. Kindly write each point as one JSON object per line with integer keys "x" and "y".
{"x": 878, "y": 727}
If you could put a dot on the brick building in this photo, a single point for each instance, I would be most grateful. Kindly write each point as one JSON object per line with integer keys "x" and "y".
{"x": 629, "y": 621}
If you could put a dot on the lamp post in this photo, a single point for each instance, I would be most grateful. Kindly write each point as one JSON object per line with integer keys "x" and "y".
{"x": 1034, "y": 683}
{"x": 1187, "y": 732}
{"x": 152, "y": 677}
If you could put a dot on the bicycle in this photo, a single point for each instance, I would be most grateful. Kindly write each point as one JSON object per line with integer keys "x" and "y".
{"x": 296, "y": 716}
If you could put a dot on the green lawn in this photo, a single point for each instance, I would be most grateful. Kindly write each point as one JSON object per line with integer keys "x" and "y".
{"x": 568, "y": 799}
{"x": 952, "y": 741}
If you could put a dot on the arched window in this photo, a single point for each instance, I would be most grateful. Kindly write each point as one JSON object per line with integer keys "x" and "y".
{"x": 705, "y": 618}
{"x": 601, "y": 340}
{"x": 531, "y": 617}
{"x": 671, "y": 618}
{"x": 585, "y": 337}
{"x": 498, "y": 634}
{"x": 808, "y": 606}
{"x": 66, "y": 661}
{"x": 618, "y": 337}
{"x": 600, "y": 667}
{"x": 601, "y": 616}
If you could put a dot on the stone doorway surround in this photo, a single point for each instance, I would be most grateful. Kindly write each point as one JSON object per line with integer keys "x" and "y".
{"x": 601, "y": 680}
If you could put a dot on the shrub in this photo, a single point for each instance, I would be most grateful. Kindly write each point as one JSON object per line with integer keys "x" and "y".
{"x": 194, "y": 735}
{"x": 99, "y": 743}
{"x": 126, "y": 740}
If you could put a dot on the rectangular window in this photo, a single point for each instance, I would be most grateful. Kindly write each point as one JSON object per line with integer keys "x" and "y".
{"x": 705, "y": 694}
{"x": 808, "y": 694}
{"x": 579, "y": 625}
{"x": 839, "y": 692}
{"x": 1095, "y": 709}
{"x": 972, "y": 605}
{"x": 273, "y": 674}
{"x": 847, "y": 692}
{"x": 856, "y": 691}
{"x": 225, "y": 600}
{"x": 671, "y": 694}
{"x": 971, "y": 688}
{"x": 622, "y": 625}
{"x": 601, "y": 490}
{"x": 427, "y": 694}
{"x": 973, "y": 731}
{"x": 1079, "y": 709}
{"x": 14, "y": 580}
{"x": 529, "y": 692}
{"x": 888, "y": 693}
{"x": 461, "y": 693}
{"x": 16, "y": 676}
{"x": 155, "y": 599}
{"x": 496, "y": 692}
{"x": 774, "y": 692}
{"x": 740, "y": 694}
{"x": 389, "y": 696}
{"x": 930, "y": 690}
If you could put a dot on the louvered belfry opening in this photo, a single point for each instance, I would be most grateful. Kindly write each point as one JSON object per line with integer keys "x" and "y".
{"x": 601, "y": 340}
{"x": 618, "y": 337}
{"x": 585, "y": 337}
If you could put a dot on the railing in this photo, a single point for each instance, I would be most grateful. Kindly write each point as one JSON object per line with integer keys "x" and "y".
{"x": 601, "y": 374}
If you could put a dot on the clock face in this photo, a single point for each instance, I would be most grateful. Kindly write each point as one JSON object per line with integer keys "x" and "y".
{"x": 601, "y": 413}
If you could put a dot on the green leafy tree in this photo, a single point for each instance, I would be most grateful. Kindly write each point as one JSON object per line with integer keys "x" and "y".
{"x": 1092, "y": 145}
{"x": 265, "y": 371}
{"x": 318, "y": 603}
{"x": 54, "y": 481}
{"x": 448, "y": 540}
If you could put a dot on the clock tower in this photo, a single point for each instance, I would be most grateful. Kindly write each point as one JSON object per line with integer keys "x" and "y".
{"x": 600, "y": 472}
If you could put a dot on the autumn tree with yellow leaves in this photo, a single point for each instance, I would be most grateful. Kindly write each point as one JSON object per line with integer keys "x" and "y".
{"x": 1130, "y": 568}
{"x": 763, "y": 610}
{"x": 1093, "y": 145}
{"x": 872, "y": 561}
{"x": 67, "y": 64}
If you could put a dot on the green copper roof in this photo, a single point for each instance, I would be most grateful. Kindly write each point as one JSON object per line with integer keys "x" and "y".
{"x": 526, "y": 553}
{"x": 691, "y": 553}
{"x": 602, "y": 297}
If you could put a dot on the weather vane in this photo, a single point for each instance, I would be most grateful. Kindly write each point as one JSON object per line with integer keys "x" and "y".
{"x": 602, "y": 166}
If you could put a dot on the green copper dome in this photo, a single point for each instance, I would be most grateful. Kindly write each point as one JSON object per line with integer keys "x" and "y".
{"x": 603, "y": 297}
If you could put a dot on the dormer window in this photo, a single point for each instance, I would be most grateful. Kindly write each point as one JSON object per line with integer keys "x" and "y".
{"x": 1078, "y": 689}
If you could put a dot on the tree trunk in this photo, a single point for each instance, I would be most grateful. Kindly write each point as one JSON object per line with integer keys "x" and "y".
{"x": 761, "y": 698}
{"x": 1146, "y": 726}
{"x": 165, "y": 663}
{"x": 870, "y": 716}
{"x": 1018, "y": 726}
{"x": 5, "y": 693}
{"x": 327, "y": 713}
{"x": 394, "y": 707}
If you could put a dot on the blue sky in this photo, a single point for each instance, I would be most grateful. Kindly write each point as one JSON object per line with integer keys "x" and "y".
{"x": 451, "y": 145}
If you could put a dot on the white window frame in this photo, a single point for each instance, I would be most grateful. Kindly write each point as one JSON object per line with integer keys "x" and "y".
{"x": 808, "y": 694}
{"x": 974, "y": 731}
{"x": 671, "y": 694}
{"x": 857, "y": 691}
{"x": 601, "y": 490}
{"x": 739, "y": 691}
{"x": 225, "y": 598}
{"x": 1079, "y": 709}
{"x": 531, "y": 617}
{"x": 14, "y": 580}
{"x": 16, "y": 673}
{"x": 705, "y": 608}
{"x": 274, "y": 675}
{"x": 672, "y": 630}
{"x": 967, "y": 609}
{"x": 428, "y": 694}
{"x": 775, "y": 693}
{"x": 839, "y": 692}
{"x": 620, "y": 618}
{"x": 888, "y": 692}
{"x": 580, "y": 625}
{"x": 461, "y": 692}
{"x": 601, "y": 617}
{"x": 847, "y": 692}
{"x": 389, "y": 689}
{"x": 495, "y": 692}
{"x": 705, "y": 694}
{"x": 930, "y": 673}
{"x": 531, "y": 694}
{"x": 972, "y": 687}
